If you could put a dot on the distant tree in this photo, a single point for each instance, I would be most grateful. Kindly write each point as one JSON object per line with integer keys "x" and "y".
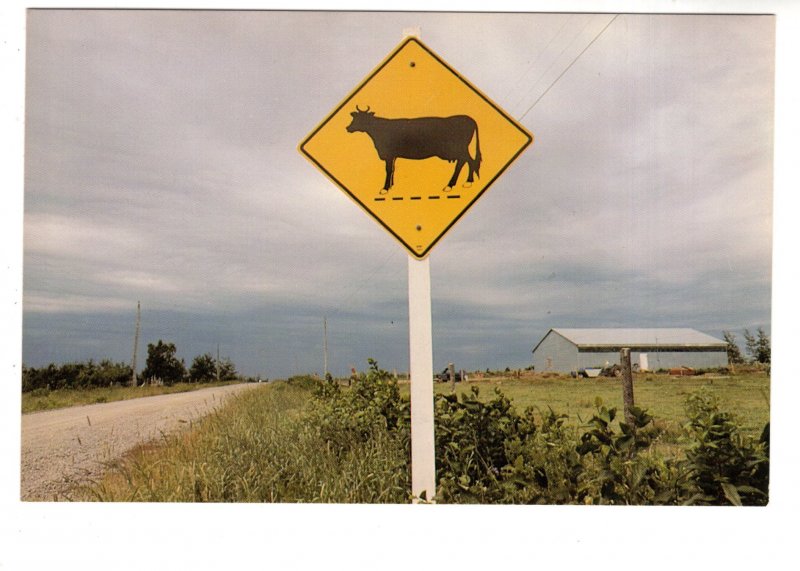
{"x": 758, "y": 348}
{"x": 111, "y": 373}
{"x": 763, "y": 347}
{"x": 751, "y": 345}
{"x": 227, "y": 370}
{"x": 203, "y": 369}
{"x": 163, "y": 364}
{"x": 75, "y": 375}
{"x": 734, "y": 353}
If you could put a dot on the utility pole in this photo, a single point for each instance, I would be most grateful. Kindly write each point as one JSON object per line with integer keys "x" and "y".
{"x": 135, "y": 343}
{"x": 325, "y": 344}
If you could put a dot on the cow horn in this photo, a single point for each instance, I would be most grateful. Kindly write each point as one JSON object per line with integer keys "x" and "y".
{"x": 362, "y": 110}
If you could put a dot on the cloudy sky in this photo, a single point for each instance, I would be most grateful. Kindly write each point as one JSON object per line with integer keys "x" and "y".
{"x": 162, "y": 166}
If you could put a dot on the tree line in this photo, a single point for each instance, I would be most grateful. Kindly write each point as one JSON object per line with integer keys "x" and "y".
{"x": 757, "y": 347}
{"x": 162, "y": 366}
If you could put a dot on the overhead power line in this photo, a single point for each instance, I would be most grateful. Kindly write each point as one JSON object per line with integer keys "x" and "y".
{"x": 546, "y": 91}
{"x": 556, "y": 59}
{"x": 533, "y": 63}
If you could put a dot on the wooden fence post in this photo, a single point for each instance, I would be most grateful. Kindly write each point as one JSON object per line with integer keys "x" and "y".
{"x": 627, "y": 384}
{"x": 452, "y": 370}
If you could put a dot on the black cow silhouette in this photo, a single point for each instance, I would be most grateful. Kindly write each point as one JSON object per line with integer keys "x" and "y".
{"x": 447, "y": 138}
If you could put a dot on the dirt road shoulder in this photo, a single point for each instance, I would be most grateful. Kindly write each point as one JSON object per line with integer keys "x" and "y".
{"x": 67, "y": 447}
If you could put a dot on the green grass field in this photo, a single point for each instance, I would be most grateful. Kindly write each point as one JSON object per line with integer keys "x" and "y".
{"x": 42, "y": 399}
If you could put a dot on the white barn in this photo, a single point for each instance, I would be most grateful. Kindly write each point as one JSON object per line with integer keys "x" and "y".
{"x": 568, "y": 350}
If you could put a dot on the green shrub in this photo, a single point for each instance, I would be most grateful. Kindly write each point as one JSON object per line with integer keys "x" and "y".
{"x": 474, "y": 443}
{"x": 488, "y": 452}
{"x": 545, "y": 468}
{"x": 724, "y": 465}
{"x": 559, "y": 464}
{"x": 347, "y": 418}
{"x": 303, "y": 382}
{"x": 613, "y": 472}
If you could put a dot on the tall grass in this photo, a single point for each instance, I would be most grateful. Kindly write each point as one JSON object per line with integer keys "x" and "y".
{"x": 259, "y": 450}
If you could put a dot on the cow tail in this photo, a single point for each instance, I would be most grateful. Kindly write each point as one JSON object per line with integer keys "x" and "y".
{"x": 477, "y": 160}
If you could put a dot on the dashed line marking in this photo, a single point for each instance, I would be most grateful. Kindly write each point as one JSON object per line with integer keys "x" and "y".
{"x": 432, "y": 197}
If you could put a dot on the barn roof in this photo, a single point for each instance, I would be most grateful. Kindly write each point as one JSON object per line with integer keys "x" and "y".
{"x": 617, "y": 338}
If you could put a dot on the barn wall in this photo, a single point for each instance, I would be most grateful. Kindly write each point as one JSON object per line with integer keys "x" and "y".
{"x": 561, "y": 353}
{"x": 658, "y": 360}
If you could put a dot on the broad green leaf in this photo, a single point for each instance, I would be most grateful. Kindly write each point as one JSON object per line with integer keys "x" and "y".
{"x": 731, "y": 494}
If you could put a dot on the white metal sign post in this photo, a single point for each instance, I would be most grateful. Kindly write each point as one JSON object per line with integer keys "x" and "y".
{"x": 420, "y": 340}
{"x": 416, "y": 108}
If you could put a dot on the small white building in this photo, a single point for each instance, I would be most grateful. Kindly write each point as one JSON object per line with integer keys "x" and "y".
{"x": 568, "y": 350}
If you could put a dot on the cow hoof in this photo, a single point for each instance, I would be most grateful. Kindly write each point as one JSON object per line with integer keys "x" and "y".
{"x": 467, "y": 184}
{"x": 384, "y": 191}
{"x": 447, "y": 189}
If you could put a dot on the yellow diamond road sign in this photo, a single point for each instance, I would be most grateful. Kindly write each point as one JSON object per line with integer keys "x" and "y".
{"x": 415, "y": 145}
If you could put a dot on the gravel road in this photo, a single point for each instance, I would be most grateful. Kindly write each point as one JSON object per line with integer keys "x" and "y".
{"x": 65, "y": 447}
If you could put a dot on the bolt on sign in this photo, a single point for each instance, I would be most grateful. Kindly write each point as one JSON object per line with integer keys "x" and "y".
{"x": 415, "y": 145}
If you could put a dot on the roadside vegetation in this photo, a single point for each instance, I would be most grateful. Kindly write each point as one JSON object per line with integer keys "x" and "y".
{"x": 273, "y": 444}
{"x": 746, "y": 392}
{"x": 497, "y": 441}
{"x": 90, "y": 382}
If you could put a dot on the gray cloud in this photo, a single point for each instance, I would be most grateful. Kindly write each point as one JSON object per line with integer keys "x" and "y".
{"x": 161, "y": 166}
